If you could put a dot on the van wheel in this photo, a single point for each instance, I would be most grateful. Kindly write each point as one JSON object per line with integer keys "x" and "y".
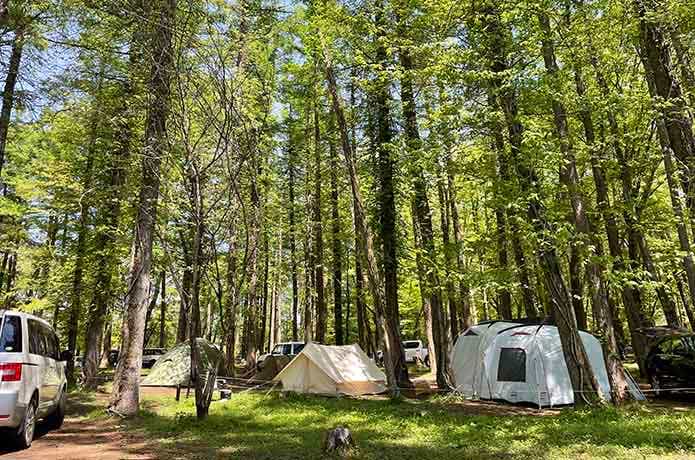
{"x": 25, "y": 432}
{"x": 427, "y": 361}
{"x": 55, "y": 420}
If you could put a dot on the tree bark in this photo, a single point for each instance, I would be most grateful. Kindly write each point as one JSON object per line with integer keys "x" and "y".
{"x": 337, "y": 249}
{"x": 266, "y": 281}
{"x": 321, "y": 309}
{"x": 667, "y": 94}
{"x": 632, "y": 299}
{"x": 9, "y": 90}
{"x": 425, "y": 289}
{"x": 162, "y": 312}
{"x": 396, "y": 374}
{"x": 185, "y": 294}
{"x": 293, "y": 232}
{"x": 80, "y": 248}
{"x": 424, "y": 233}
{"x": 510, "y": 218}
{"x": 231, "y": 303}
{"x": 581, "y": 375}
{"x": 464, "y": 294}
{"x": 386, "y": 203}
{"x": 125, "y": 398}
{"x": 603, "y": 315}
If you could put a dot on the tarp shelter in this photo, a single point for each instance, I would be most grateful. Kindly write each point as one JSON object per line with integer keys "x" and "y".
{"x": 174, "y": 367}
{"x": 332, "y": 370}
{"x": 521, "y": 363}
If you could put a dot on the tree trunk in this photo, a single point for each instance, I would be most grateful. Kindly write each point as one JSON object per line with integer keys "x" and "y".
{"x": 80, "y": 248}
{"x": 150, "y": 309}
{"x": 425, "y": 289}
{"x": 464, "y": 294}
{"x": 293, "y": 233}
{"x": 504, "y": 297}
{"x": 162, "y": 312}
{"x": 448, "y": 259}
{"x": 252, "y": 268}
{"x": 8, "y": 92}
{"x": 667, "y": 94}
{"x": 364, "y": 335}
{"x": 337, "y": 249}
{"x": 603, "y": 315}
{"x": 424, "y": 234}
{"x": 396, "y": 374}
{"x": 386, "y": 204}
{"x": 510, "y": 218}
{"x": 321, "y": 309}
{"x": 185, "y": 294}
{"x": 576, "y": 288}
{"x": 266, "y": 282}
{"x": 631, "y": 296}
{"x": 581, "y": 375}
{"x": 125, "y": 398}
{"x": 231, "y": 303}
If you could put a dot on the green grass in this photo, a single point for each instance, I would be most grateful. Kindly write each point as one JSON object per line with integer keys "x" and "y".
{"x": 257, "y": 426}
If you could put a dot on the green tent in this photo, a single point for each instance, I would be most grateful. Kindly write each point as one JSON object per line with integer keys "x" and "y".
{"x": 174, "y": 367}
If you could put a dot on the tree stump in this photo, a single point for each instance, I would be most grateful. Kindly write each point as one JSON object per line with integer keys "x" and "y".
{"x": 338, "y": 439}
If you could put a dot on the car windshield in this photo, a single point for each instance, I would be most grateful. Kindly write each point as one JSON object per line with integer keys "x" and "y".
{"x": 411, "y": 344}
{"x": 11, "y": 334}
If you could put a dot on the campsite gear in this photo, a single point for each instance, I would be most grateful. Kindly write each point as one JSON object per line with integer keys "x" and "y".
{"x": 517, "y": 363}
{"x": 332, "y": 370}
{"x": 174, "y": 368}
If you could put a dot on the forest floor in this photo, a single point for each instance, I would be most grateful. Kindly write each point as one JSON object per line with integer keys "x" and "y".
{"x": 277, "y": 426}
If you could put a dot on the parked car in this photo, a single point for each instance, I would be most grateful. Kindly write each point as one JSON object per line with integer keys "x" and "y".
{"x": 415, "y": 351}
{"x": 32, "y": 376}
{"x": 281, "y": 349}
{"x": 670, "y": 362}
{"x": 151, "y": 355}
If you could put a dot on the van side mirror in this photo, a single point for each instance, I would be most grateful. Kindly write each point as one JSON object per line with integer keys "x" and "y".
{"x": 66, "y": 355}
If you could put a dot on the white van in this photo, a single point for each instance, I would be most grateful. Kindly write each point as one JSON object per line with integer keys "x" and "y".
{"x": 32, "y": 376}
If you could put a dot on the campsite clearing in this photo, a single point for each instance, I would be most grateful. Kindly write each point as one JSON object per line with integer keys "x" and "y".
{"x": 277, "y": 426}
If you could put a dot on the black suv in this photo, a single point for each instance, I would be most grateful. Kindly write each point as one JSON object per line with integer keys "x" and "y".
{"x": 671, "y": 363}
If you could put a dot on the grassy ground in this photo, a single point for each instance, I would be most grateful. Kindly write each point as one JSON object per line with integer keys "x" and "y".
{"x": 259, "y": 426}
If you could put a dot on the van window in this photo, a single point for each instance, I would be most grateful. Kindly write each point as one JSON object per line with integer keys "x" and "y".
{"x": 410, "y": 344}
{"x": 50, "y": 342}
{"x": 512, "y": 365}
{"x": 298, "y": 348}
{"x": 37, "y": 344}
{"x": 11, "y": 336}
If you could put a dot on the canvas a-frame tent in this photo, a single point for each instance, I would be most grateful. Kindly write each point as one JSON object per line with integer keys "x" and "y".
{"x": 521, "y": 363}
{"x": 332, "y": 371}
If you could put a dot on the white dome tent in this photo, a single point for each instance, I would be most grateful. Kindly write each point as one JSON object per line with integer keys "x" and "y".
{"x": 521, "y": 363}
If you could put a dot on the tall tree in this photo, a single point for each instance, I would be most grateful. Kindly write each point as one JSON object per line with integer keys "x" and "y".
{"x": 125, "y": 398}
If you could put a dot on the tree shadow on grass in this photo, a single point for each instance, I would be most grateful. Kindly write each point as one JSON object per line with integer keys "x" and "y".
{"x": 293, "y": 427}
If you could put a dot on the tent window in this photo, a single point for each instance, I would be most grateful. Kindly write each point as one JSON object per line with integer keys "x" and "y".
{"x": 512, "y": 365}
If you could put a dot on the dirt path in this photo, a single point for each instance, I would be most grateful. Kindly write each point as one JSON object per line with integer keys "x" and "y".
{"x": 80, "y": 438}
